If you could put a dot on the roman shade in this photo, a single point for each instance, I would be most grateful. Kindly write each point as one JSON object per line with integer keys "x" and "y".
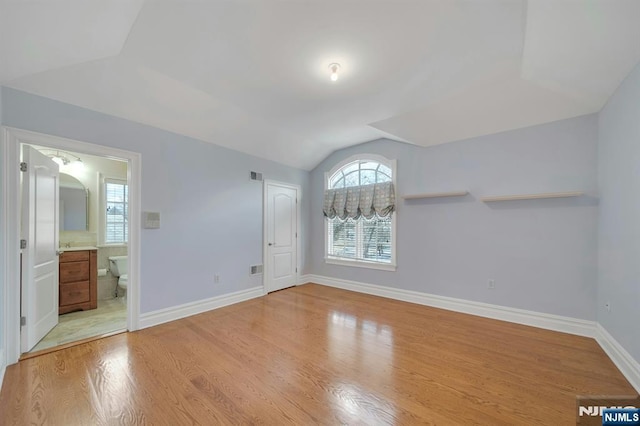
{"x": 365, "y": 201}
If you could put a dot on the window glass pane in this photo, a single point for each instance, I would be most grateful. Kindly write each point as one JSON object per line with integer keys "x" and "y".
{"x": 383, "y": 177}
{"x": 117, "y": 213}
{"x": 336, "y": 181}
{"x": 367, "y": 177}
{"x": 344, "y": 238}
{"x": 115, "y": 192}
{"x": 351, "y": 167}
{"x": 384, "y": 169}
{"x": 376, "y": 240}
{"x": 351, "y": 179}
{"x": 369, "y": 165}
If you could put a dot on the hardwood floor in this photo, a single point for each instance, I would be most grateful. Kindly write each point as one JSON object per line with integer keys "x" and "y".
{"x": 315, "y": 355}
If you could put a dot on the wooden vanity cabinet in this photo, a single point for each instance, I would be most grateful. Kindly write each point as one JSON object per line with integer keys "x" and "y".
{"x": 78, "y": 289}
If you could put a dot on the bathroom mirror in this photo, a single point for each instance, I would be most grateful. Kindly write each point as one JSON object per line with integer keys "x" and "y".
{"x": 74, "y": 204}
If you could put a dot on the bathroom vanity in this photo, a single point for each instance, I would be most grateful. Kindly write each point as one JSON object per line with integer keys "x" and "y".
{"x": 78, "y": 279}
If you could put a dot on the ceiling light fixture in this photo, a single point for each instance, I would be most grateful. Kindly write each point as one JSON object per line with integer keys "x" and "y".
{"x": 334, "y": 70}
{"x": 63, "y": 158}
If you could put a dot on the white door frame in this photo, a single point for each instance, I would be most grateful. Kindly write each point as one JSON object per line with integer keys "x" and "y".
{"x": 10, "y": 225}
{"x": 265, "y": 229}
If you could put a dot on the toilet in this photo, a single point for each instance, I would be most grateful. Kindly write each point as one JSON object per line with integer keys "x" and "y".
{"x": 119, "y": 268}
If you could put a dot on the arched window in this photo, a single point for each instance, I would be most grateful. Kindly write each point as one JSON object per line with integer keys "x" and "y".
{"x": 360, "y": 172}
{"x": 359, "y": 206}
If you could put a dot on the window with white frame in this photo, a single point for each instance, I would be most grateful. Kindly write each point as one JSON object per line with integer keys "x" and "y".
{"x": 116, "y": 204}
{"x": 358, "y": 206}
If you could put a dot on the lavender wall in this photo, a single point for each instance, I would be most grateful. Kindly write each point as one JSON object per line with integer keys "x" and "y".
{"x": 542, "y": 254}
{"x": 619, "y": 220}
{"x": 2, "y": 256}
{"x": 211, "y": 213}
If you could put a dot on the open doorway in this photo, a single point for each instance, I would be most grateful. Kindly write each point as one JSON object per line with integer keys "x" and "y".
{"x": 92, "y": 248}
{"x": 125, "y": 211}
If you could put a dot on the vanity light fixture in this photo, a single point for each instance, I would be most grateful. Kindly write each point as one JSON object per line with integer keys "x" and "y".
{"x": 63, "y": 158}
{"x": 334, "y": 67}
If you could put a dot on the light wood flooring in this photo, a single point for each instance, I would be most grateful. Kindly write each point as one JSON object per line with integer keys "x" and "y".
{"x": 110, "y": 316}
{"x": 315, "y": 355}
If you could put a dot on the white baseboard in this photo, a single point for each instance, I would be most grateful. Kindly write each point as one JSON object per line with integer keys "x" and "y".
{"x": 628, "y": 366}
{"x": 173, "y": 313}
{"x": 304, "y": 279}
{"x": 520, "y": 316}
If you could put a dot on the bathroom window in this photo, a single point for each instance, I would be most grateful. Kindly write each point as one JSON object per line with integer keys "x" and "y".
{"x": 116, "y": 211}
{"x": 358, "y": 207}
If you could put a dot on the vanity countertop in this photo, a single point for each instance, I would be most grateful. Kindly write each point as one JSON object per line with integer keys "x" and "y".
{"x": 63, "y": 249}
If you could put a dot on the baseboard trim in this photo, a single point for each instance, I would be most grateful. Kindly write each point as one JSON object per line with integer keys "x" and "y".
{"x": 628, "y": 366}
{"x": 304, "y": 279}
{"x": 520, "y": 316}
{"x": 173, "y": 313}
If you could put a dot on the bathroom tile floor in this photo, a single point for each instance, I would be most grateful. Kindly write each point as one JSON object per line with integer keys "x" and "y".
{"x": 110, "y": 316}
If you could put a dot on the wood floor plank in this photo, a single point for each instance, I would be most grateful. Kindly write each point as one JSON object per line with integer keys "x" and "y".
{"x": 315, "y": 355}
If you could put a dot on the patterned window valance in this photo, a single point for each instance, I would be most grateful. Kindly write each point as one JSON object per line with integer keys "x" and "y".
{"x": 366, "y": 201}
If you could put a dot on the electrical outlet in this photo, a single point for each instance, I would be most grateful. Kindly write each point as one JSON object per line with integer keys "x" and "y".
{"x": 491, "y": 284}
{"x": 216, "y": 278}
{"x": 608, "y": 306}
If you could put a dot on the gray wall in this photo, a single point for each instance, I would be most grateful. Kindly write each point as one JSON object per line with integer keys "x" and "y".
{"x": 619, "y": 220}
{"x": 211, "y": 213}
{"x": 2, "y": 257}
{"x": 542, "y": 254}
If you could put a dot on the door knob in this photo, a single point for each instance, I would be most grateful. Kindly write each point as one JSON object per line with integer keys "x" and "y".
{"x": 270, "y": 244}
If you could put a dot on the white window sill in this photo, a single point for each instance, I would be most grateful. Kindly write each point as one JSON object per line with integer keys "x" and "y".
{"x": 361, "y": 264}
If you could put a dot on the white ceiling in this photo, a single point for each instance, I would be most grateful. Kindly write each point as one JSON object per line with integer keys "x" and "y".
{"x": 252, "y": 75}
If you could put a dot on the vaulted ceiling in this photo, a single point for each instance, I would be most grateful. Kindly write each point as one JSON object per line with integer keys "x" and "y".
{"x": 252, "y": 75}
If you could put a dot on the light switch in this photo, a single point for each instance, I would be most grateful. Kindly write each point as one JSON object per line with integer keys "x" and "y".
{"x": 150, "y": 220}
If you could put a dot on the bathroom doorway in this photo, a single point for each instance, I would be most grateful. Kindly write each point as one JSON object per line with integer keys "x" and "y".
{"x": 92, "y": 248}
{"x": 110, "y": 183}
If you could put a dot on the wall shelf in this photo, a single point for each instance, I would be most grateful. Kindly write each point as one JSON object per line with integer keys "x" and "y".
{"x": 532, "y": 196}
{"x": 435, "y": 195}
